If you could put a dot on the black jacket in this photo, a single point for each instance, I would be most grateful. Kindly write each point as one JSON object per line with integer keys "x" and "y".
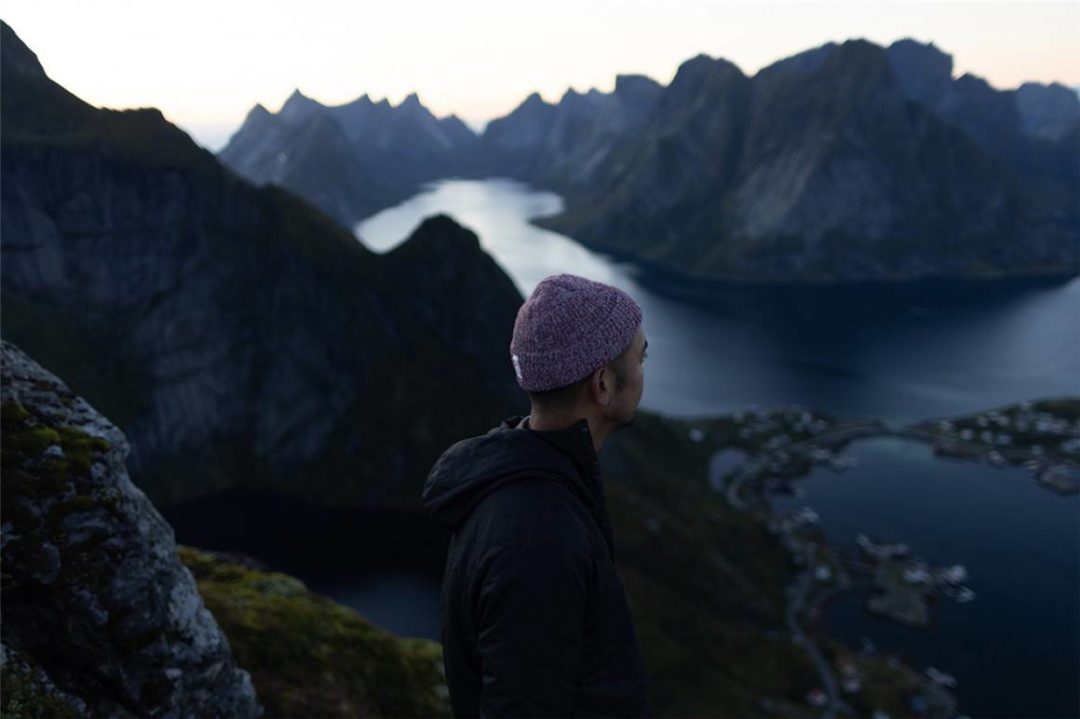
{"x": 534, "y": 617}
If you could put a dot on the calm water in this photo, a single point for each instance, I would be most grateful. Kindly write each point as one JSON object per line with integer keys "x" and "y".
{"x": 1015, "y": 649}
{"x": 904, "y": 353}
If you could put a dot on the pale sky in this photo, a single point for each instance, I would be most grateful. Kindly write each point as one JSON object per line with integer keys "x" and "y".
{"x": 206, "y": 63}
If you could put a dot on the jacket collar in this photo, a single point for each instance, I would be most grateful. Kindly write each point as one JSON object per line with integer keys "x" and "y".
{"x": 575, "y": 441}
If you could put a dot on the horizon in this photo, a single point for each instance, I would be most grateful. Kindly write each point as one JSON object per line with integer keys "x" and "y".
{"x": 258, "y": 57}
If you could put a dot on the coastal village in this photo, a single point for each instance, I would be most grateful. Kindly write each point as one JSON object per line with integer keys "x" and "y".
{"x": 766, "y": 453}
{"x": 1042, "y": 436}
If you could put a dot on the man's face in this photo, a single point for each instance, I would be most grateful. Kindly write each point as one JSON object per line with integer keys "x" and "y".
{"x": 623, "y": 409}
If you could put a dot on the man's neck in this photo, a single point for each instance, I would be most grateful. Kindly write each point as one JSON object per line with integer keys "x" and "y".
{"x": 553, "y": 422}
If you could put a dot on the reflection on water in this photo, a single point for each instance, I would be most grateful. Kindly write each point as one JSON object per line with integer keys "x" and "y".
{"x": 1014, "y": 650}
{"x": 903, "y": 352}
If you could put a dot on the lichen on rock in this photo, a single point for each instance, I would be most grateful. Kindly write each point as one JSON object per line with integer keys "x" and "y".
{"x": 95, "y": 604}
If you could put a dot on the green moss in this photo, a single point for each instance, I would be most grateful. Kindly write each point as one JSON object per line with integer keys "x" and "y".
{"x": 309, "y": 656}
{"x": 22, "y": 444}
{"x": 27, "y": 471}
{"x": 32, "y": 441}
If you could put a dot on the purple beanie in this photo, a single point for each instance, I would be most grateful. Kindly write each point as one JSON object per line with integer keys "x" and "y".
{"x": 569, "y": 327}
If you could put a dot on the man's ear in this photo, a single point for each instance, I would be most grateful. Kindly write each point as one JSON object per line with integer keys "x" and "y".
{"x": 600, "y": 386}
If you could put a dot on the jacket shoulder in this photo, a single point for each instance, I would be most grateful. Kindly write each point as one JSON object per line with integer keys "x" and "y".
{"x": 533, "y": 510}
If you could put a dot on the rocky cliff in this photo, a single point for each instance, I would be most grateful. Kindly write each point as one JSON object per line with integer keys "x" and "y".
{"x": 99, "y": 617}
{"x": 236, "y": 335}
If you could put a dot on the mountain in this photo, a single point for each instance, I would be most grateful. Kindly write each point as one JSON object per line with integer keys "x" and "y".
{"x": 348, "y": 160}
{"x": 236, "y": 335}
{"x": 560, "y": 144}
{"x": 847, "y": 162}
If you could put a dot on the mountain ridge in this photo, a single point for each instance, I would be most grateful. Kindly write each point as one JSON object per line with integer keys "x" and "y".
{"x": 848, "y": 162}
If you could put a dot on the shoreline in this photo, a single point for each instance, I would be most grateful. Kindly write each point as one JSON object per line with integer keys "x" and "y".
{"x": 904, "y": 585}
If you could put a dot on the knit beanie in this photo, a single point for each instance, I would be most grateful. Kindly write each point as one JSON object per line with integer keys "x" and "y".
{"x": 569, "y": 327}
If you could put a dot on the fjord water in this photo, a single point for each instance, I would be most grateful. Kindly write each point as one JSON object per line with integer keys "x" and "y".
{"x": 901, "y": 352}
{"x": 1014, "y": 650}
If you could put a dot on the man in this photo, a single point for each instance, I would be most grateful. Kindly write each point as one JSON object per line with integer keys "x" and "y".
{"x": 534, "y": 617}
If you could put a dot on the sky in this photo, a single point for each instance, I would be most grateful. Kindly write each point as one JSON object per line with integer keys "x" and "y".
{"x": 205, "y": 63}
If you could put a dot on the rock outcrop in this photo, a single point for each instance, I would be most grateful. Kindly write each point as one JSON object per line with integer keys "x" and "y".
{"x": 99, "y": 617}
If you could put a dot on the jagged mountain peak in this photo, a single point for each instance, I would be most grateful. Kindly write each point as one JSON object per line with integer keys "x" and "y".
{"x": 534, "y": 100}
{"x": 969, "y": 81}
{"x": 635, "y": 83}
{"x": 928, "y": 50}
{"x": 362, "y": 101}
{"x": 296, "y": 96}
{"x": 299, "y": 107}
{"x": 804, "y": 62}
{"x": 923, "y": 71}
{"x": 257, "y": 112}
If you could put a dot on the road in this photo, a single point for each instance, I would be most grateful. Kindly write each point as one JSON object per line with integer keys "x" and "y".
{"x": 799, "y": 590}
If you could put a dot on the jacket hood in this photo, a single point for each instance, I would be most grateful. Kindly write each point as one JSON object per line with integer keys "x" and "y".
{"x": 473, "y": 468}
